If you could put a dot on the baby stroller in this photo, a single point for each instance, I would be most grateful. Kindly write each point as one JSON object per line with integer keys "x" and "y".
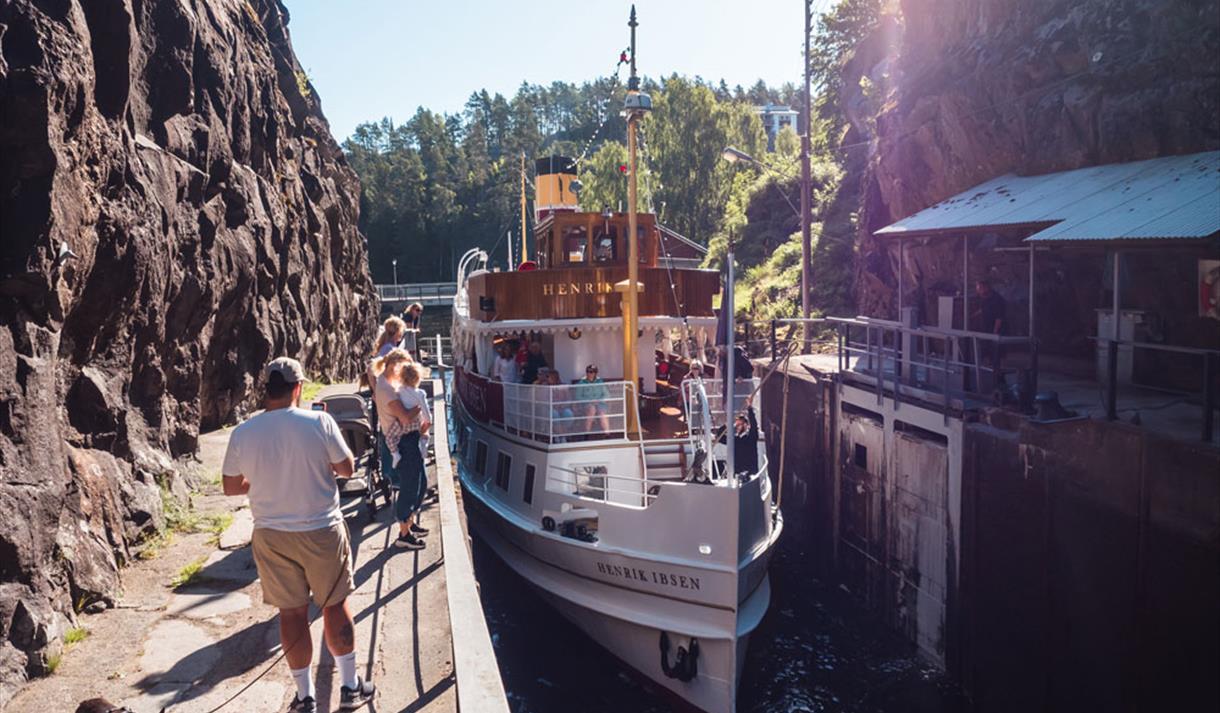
{"x": 353, "y": 413}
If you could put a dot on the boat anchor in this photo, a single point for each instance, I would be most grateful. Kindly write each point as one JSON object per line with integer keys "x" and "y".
{"x": 686, "y": 663}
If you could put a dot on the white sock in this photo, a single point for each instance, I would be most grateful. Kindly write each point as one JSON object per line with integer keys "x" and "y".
{"x": 304, "y": 683}
{"x": 394, "y": 460}
{"x": 347, "y": 669}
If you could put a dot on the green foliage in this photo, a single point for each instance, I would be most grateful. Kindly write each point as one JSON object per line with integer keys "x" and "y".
{"x": 440, "y": 184}
{"x": 684, "y": 138}
{"x": 303, "y": 83}
{"x": 838, "y": 33}
{"x": 310, "y": 391}
{"x": 53, "y": 662}
{"x": 788, "y": 144}
{"x": 188, "y": 573}
{"x": 153, "y": 546}
{"x": 605, "y": 184}
{"x": 76, "y": 635}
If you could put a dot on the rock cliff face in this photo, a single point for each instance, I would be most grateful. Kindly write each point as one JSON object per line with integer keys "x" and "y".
{"x": 973, "y": 89}
{"x": 173, "y": 212}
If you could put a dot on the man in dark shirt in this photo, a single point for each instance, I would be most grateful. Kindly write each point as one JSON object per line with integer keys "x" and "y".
{"x": 993, "y": 311}
{"x": 993, "y": 318}
{"x": 745, "y": 441}
{"x": 534, "y": 360}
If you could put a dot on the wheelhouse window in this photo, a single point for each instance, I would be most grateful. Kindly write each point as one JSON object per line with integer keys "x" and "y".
{"x": 504, "y": 469}
{"x": 576, "y": 244}
{"x": 605, "y": 245}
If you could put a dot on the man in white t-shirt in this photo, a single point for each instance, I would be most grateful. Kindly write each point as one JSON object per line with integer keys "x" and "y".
{"x": 286, "y": 460}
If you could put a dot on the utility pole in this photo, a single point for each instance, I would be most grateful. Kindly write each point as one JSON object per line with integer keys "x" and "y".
{"x": 806, "y": 187}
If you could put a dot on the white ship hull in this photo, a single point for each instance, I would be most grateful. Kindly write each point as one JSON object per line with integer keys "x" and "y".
{"x": 689, "y": 561}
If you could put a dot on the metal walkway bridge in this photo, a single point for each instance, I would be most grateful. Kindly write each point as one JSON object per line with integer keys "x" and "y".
{"x": 427, "y": 294}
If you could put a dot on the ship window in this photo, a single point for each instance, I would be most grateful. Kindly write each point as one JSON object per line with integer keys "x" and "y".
{"x": 605, "y": 245}
{"x": 504, "y": 469}
{"x": 861, "y": 456}
{"x": 591, "y": 481}
{"x": 480, "y": 458}
{"x": 575, "y": 244}
{"x": 528, "y": 493}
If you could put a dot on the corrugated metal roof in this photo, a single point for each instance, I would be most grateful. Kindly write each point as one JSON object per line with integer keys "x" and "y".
{"x": 1172, "y": 197}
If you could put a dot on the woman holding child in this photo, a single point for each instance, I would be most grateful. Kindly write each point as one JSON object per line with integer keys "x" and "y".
{"x": 403, "y": 417}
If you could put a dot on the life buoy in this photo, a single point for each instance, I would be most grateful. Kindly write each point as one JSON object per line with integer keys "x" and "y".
{"x": 686, "y": 663}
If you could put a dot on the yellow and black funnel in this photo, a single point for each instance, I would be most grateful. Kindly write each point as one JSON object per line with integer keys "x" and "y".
{"x": 553, "y": 186}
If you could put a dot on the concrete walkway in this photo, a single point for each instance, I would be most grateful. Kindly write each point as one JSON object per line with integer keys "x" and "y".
{"x": 190, "y": 649}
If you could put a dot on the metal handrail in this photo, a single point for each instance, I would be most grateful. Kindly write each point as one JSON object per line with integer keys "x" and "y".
{"x": 1211, "y": 365}
{"x": 605, "y": 488}
{"x": 531, "y": 411}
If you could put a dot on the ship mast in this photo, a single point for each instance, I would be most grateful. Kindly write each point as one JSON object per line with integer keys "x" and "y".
{"x": 525, "y": 255}
{"x": 635, "y": 106}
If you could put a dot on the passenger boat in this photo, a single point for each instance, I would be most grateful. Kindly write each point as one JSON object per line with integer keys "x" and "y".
{"x": 612, "y": 498}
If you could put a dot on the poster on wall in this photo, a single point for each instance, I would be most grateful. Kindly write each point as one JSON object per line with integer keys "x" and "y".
{"x": 1209, "y": 288}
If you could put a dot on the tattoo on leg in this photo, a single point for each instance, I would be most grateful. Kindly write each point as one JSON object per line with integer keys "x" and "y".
{"x": 346, "y": 635}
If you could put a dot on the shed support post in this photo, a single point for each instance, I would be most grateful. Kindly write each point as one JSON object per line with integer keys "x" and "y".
{"x": 1209, "y": 395}
{"x": 1112, "y": 354}
{"x": 965, "y": 283}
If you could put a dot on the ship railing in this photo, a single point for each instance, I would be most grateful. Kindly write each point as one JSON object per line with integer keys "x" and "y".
{"x": 567, "y": 412}
{"x": 714, "y": 388}
{"x": 597, "y": 484}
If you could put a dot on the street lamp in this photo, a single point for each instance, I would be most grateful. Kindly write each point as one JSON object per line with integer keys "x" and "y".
{"x": 394, "y": 262}
{"x": 733, "y": 155}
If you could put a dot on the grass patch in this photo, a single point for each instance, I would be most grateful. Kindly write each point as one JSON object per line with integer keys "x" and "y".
{"x": 76, "y": 635}
{"x": 217, "y": 523}
{"x": 188, "y": 574}
{"x": 53, "y": 662}
{"x": 310, "y": 390}
{"x": 154, "y": 545}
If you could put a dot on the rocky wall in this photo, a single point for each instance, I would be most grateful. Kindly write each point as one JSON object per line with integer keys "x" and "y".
{"x": 962, "y": 91}
{"x": 173, "y": 212}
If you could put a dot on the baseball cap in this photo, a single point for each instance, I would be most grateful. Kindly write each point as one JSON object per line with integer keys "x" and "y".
{"x": 289, "y": 370}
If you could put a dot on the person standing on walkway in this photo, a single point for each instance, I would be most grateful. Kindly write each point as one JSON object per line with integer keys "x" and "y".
{"x": 408, "y": 475}
{"x": 390, "y": 336}
{"x": 286, "y": 460}
{"x": 411, "y": 319}
{"x": 411, "y": 315}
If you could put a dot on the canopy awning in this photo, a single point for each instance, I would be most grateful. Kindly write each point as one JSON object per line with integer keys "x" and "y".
{"x": 1169, "y": 198}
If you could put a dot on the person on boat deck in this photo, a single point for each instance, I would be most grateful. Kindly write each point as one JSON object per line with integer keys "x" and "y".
{"x": 505, "y": 366}
{"x": 561, "y": 413}
{"x": 534, "y": 362}
{"x": 593, "y": 392}
{"x": 745, "y": 440}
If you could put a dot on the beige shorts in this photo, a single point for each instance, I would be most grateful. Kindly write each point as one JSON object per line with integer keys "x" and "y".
{"x": 291, "y": 565}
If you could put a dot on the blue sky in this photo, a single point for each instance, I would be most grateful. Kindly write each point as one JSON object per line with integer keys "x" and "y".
{"x": 375, "y": 58}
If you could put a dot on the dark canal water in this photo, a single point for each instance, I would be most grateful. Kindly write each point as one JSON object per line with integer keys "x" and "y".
{"x": 816, "y": 651}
